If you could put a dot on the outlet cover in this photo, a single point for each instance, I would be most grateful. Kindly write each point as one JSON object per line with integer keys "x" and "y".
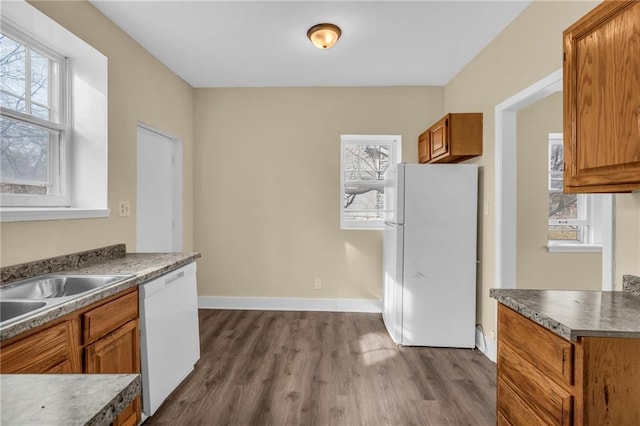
{"x": 124, "y": 208}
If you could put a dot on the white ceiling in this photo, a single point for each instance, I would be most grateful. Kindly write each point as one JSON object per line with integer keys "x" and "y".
{"x": 264, "y": 43}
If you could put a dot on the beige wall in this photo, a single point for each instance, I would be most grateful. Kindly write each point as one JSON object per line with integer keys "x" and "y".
{"x": 627, "y": 236}
{"x": 140, "y": 89}
{"x": 535, "y": 266}
{"x": 267, "y": 182}
{"x": 529, "y": 49}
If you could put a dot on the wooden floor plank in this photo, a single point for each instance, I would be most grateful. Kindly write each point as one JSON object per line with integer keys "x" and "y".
{"x": 321, "y": 368}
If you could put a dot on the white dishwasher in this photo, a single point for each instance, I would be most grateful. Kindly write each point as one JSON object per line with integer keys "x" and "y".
{"x": 169, "y": 337}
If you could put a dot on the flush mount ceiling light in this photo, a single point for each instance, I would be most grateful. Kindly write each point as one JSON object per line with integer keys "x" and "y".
{"x": 324, "y": 36}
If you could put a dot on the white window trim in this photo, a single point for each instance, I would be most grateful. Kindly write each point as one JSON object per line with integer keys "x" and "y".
{"x": 594, "y": 205}
{"x": 88, "y": 152}
{"x": 364, "y": 140}
{"x": 553, "y": 247}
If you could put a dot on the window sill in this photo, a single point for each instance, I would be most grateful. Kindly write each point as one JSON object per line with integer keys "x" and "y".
{"x": 24, "y": 214}
{"x": 574, "y": 248}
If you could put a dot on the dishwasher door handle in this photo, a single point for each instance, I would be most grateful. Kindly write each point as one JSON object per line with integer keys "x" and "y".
{"x": 173, "y": 278}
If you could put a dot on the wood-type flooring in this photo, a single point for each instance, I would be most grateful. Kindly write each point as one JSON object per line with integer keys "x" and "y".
{"x": 323, "y": 368}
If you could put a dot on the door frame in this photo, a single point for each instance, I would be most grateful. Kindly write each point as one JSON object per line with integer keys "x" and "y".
{"x": 176, "y": 179}
{"x": 505, "y": 187}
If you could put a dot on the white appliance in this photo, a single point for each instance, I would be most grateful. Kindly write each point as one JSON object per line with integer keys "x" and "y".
{"x": 429, "y": 254}
{"x": 169, "y": 337}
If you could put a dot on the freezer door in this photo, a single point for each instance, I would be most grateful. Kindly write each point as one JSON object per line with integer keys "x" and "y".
{"x": 393, "y": 237}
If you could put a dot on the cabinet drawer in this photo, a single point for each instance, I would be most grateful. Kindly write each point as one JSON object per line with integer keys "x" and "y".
{"x": 502, "y": 421}
{"x": 512, "y": 410}
{"x": 546, "y": 351}
{"x": 51, "y": 351}
{"x": 551, "y": 402}
{"x": 106, "y": 318}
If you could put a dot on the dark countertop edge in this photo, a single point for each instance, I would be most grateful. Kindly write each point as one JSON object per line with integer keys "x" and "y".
{"x": 542, "y": 320}
{"x": 43, "y": 317}
{"x": 111, "y": 411}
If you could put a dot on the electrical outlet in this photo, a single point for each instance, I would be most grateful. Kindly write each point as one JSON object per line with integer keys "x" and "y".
{"x": 317, "y": 283}
{"x": 492, "y": 336}
{"x": 124, "y": 208}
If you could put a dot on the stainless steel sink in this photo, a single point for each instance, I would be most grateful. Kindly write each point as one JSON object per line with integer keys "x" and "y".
{"x": 12, "y": 309}
{"x": 24, "y": 298}
{"x": 56, "y": 286}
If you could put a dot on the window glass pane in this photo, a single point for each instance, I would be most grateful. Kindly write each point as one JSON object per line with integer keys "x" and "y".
{"x": 24, "y": 153}
{"x": 555, "y": 157}
{"x": 565, "y": 233}
{"x": 364, "y": 171}
{"x": 40, "y": 80}
{"x": 12, "y": 74}
{"x": 40, "y": 112}
{"x": 563, "y": 206}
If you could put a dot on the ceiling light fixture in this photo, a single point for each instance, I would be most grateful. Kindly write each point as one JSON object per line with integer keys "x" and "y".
{"x": 324, "y": 36}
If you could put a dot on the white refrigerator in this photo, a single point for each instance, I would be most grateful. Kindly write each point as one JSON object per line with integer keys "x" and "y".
{"x": 429, "y": 254}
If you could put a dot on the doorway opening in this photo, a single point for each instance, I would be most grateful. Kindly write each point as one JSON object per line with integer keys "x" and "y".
{"x": 505, "y": 190}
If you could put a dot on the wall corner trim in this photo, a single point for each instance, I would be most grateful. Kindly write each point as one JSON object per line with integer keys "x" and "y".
{"x": 488, "y": 347}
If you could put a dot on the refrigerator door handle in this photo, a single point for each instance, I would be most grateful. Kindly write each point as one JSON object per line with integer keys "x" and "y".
{"x": 386, "y": 222}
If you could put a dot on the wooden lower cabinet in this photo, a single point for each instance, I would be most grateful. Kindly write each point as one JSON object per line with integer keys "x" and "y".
{"x": 102, "y": 338}
{"x": 53, "y": 350}
{"x": 117, "y": 352}
{"x": 544, "y": 379}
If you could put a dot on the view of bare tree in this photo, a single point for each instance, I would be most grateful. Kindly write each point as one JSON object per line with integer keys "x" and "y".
{"x": 365, "y": 166}
{"x": 24, "y": 88}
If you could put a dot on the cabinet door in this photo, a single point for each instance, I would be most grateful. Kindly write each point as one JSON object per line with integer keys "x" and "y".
{"x": 115, "y": 353}
{"x": 602, "y": 100}
{"x": 424, "y": 148}
{"x": 50, "y": 351}
{"x": 439, "y": 141}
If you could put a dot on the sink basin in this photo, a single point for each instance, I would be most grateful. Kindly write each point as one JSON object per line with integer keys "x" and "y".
{"x": 56, "y": 286}
{"x": 12, "y": 309}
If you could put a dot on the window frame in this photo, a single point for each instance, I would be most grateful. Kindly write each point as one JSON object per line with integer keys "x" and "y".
{"x": 395, "y": 142}
{"x": 88, "y": 80}
{"x": 589, "y": 216}
{"x": 59, "y": 124}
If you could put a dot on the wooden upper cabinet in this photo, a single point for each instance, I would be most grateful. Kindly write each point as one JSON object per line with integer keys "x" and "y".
{"x": 602, "y": 100}
{"x": 453, "y": 138}
{"x": 424, "y": 150}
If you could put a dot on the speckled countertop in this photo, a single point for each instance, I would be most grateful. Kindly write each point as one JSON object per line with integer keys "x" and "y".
{"x": 144, "y": 267}
{"x": 65, "y": 399}
{"x": 574, "y": 314}
{"x": 631, "y": 283}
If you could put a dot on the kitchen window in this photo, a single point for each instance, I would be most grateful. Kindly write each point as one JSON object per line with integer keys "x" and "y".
{"x": 364, "y": 162}
{"x": 34, "y": 145}
{"x": 574, "y": 220}
{"x": 53, "y": 112}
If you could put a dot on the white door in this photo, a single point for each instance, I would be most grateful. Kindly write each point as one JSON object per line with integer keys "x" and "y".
{"x": 159, "y": 201}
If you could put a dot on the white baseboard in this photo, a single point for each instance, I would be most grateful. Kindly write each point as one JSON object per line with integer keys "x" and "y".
{"x": 290, "y": 304}
{"x": 490, "y": 350}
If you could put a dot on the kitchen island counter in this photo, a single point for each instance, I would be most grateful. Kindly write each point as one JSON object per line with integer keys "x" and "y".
{"x": 574, "y": 314}
{"x": 65, "y": 399}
